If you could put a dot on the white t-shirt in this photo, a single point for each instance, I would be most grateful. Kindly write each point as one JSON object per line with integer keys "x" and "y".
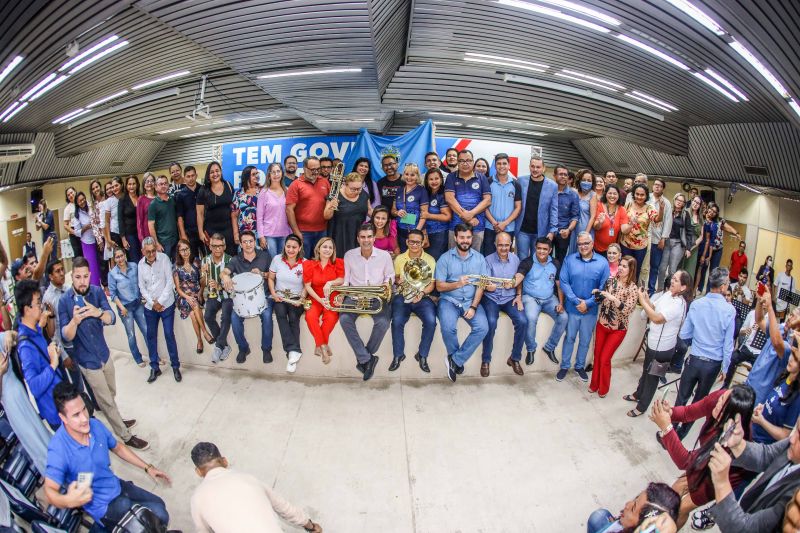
{"x": 748, "y": 323}
{"x": 287, "y": 277}
{"x": 110, "y": 205}
{"x": 782, "y": 282}
{"x": 665, "y": 336}
{"x": 748, "y": 294}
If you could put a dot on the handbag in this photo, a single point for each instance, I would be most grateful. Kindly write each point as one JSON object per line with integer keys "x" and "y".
{"x": 139, "y": 519}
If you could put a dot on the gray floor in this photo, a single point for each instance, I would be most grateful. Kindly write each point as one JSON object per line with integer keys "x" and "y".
{"x": 483, "y": 455}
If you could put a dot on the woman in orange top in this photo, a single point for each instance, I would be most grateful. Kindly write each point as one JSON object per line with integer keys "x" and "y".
{"x": 319, "y": 274}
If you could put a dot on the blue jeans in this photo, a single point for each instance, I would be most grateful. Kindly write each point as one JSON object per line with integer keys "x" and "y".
{"x": 714, "y": 261}
{"x": 448, "y": 320}
{"x": 310, "y": 240}
{"x": 130, "y": 495}
{"x": 438, "y": 244}
{"x": 638, "y": 255}
{"x": 656, "y": 254}
{"x": 526, "y": 244}
{"x": 425, "y": 310}
{"x": 518, "y": 319}
{"x": 237, "y": 325}
{"x": 533, "y": 308}
{"x": 599, "y": 521}
{"x": 578, "y": 324}
{"x": 488, "y": 247}
{"x": 167, "y": 317}
{"x": 275, "y": 246}
{"x": 135, "y": 314}
{"x": 402, "y": 235}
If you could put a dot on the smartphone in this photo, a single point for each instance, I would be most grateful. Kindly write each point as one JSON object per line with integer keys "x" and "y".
{"x": 664, "y": 396}
{"x": 723, "y": 439}
{"x": 85, "y": 479}
{"x": 80, "y": 301}
{"x": 761, "y": 288}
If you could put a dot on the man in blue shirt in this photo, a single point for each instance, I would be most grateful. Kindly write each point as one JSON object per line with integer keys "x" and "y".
{"x": 506, "y": 206}
{"x": 507, "y": 298}
{"x": 80, "y": 449}
{"x": 459, "y": 298}
{"x": 582, "y": 272}
{"x": 83, "y": 311}
{"x": 568, "y": 212}
{"x": 539, "y": 215}
{"x": 468, "y": 196}
{"x": 709, "y": 327}
{"x": 541, "y": 293}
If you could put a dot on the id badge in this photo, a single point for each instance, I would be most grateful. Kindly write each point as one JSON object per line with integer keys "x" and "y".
{"x": 611, "y": 231}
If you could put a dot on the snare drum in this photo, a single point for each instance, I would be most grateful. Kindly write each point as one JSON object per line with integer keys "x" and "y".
{"x": 249, "y": 299}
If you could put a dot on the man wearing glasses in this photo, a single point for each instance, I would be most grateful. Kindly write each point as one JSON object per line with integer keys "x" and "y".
{"x": 305, "y": 204}
{"x": 468, "y": 195}
{"x": 325, "y": 167}
{"x": 389, "y": 184}
{"x": 420, "y": 304}
{"x": 217, "y": 299}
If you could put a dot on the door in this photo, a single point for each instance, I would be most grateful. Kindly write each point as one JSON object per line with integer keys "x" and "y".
{"x": 16, "y": 228}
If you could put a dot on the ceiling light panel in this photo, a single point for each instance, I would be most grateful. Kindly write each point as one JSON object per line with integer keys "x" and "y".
{"x": 33, "y": 90}
{"x": 582, "y": 80}
{"x": 532, "y": 133}
{"x": 636, "y": 95}
{"x": 173, "y": 130}
{"x": 107, "y": 99}
{"x": 766, "y": 73}
{"x": 9, "y": 109}
{"x": 537, "y": 8}
{"x": 698, "y": 15}
{"x": 14, "y": 112}
{"x": 502, "y": 64}
{"x": 727, "y": 84}
{"x": 506, "y": 60}
{"x": 156, "y": 81}
{"x": 314, "y": 72}
{"x": 795, "y": 106}
{"x": 593, "y": 78}
{"x": 589, "y": 12}
{"x": 86, "y": 53}
{"x": 98, "y": 56}
{"x": 11, "y": 66}
{"x": 655, "y": 52}
{"x": 708, "y": 81}
{"x": 55, "y": 83}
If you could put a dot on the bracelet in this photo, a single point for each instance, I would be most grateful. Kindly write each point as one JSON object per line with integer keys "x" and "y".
{"x": 147, "y": 468}
{"x": 473, "y": 307}
{"x": 664, "y": 433}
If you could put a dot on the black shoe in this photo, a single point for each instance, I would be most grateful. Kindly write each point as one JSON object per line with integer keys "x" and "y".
{"x": 241, "y": 357}
{"x": 530, "y": 357}
{"x": 673, "y": 370}
{"x": 396, "y": 363}
{"x": 452, "y": 371}
{"x": 177, "y": 373}
{"x": 154, "y": 373}
{"x": 266, "y": 356}
{"x": 369, "y": 367}
{"x": 551, "y": 354}
{"x": 423, "y": 363}
{"x": 361, "y": 367}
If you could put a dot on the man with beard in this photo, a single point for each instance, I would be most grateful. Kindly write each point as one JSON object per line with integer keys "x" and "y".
{"x": 83, "y": 311}
{"x": 289, "y": 169}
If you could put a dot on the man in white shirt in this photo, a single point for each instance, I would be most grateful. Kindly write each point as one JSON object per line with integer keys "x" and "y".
{"x": 739, "y": 289}
{"x": 158, "y": 292}
{"x": 659, "y": 232}
{"x": 227, "y": 501}
{"x": 783, "y": 281}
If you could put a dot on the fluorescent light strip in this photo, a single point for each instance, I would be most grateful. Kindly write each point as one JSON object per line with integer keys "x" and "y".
{"x": 575, "y": 78}
{"x": 749, "y": 188}
{"x": 33, "y": 90}
{"x": 73, "y": 117}
{"x": 172, "y": 130}
{"x": 506, "y": 59}
{"x": 9, "y": 109}
{"x": 727, "y": 84}
{"x": 451, "y": 114}
{"x": 254, "y": 118}
{"x": 646, "y": 101}
{"x": 584, "y": 10}
{"x": 492, "y": 128}
{"x": 233, "y": 128}
{"x": 648, "y": 48}
{"x": 533, "y": 133}
{"x": 743, "y": 51}
{"x": 698, "y": 15}
{"x": 593, "y": 78}
{"x": 56, "y": 82}
{"x": 656, "y": 100}
{"x": 502, "y": 64}
{"x": 198, "y": 134}
{"x": 308, "y": 72}
{"x": 794, "y": 105}
{"x": 159, "y": 80}
{"x": 438, "y": 123}
{"x": 17, "y": 110}
{"x": 271, "y": 125}
{"x": 543, "y": 126}
{"x": 107, "y": 98}
{"x": 503, "y": 120}
{"x": 69, "y": 115}
{"x": 87, "y": 52}
{"x": 705, "y": 79}
{"x": 99, "y": 56}
{"x": 345, "y": 120}
{"x": 11, "y": 66}
{"x": 554, "y": 13}
{"x": 101, "y": 112}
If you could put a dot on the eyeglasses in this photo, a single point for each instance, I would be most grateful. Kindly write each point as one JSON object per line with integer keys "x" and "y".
{"x": 312, "y": 170}
{"x": 415, "y": 243}
{"x": 464, "y": 161}
{"x": 584, "y": 243}
{"x": 218, "y": 246}
{"x": 248, "y": 242}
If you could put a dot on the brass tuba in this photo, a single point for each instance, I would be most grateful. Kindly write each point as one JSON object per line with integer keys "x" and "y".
{"x": 337, "y": 180}
{"x": 294, "y": 299}
{"x": 369, "y": 299}
{"x": 417, "y": 275}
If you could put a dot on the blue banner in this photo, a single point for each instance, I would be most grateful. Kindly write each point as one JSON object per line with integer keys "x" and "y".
{"x": 408, "y": 148}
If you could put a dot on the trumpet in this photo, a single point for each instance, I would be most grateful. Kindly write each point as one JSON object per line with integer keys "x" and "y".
{"x": 416, "y": 276}
{"x": 337, "y": 180}
{"x": 483, "y": 281}
{"x": 294, "y": 299}
{"x": 368, "y": 299}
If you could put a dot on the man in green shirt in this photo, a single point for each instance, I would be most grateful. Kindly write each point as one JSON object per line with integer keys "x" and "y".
{"x": 161, "y": 218}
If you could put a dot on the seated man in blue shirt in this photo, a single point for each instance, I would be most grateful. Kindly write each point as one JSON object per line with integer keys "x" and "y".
{"x": 460, "y": 298}
{"x": 504, "y": 264}
{"x": 541, "y": 293}
{"x": 79, "y": 449}
{"x": 582, "y": 272}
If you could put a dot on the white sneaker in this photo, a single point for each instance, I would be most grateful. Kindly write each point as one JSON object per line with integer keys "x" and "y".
{"x": 294, "y": 357}
{"x": 215, "y": 357}
{"x": 291, "y": 367}
{"x": 226, "y": 351}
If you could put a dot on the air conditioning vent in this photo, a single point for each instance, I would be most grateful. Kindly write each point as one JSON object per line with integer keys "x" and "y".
{"x": 16, "y": 153}
{"x": 117, "y": 164}
{"x": 756, "y": 171}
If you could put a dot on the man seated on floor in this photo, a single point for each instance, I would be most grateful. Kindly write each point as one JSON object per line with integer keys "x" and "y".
{"x": 227, "y": 501}
{"x": 761, "y": 507}
{"x": 656, "y": 499}
{"x": 78, "y": 460}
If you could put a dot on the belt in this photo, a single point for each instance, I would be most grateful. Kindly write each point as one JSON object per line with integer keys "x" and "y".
{"x": 706, "y": 359}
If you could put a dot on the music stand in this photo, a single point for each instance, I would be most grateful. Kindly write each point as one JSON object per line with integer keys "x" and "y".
{"x": 741, "y": 309}
{"x": 792, "y": 298}
{"x": 759, "y": 340}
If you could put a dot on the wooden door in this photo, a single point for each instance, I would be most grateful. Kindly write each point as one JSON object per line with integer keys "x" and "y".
{"x": 16, "y": 228}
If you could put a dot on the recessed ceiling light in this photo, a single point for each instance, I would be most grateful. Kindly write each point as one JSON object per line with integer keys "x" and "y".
{"x": 698, "y": 15}
{"x": 450, "y": 114}
{"x": 161, "y": 79}
{"x": 87, "y": 52}
{"x": 172, "y": 130}
{"x": 197, "y": 134}
{"x": 232, "y": 128}
{"x": 11, "y": 66}
{"x": 651, "y": 101}
{"x": 14, "y": 112}
{"x": 107, "y": 98}
{"x": 33, "y": 90}
{"x": 271, "y": 125}
{"x": 655, "y": 52}
{"x": 727, "y": 84}
{"x": 71, "y": 116}
{"x": 314, "y": 72}
{"x": 588, "y": 82}
{"x": 344, "y": 120}
{"x": 506, "y": 60}
{"x": 502, "y": 64}
{"x": 479, "y": 127}
{"x": 545, "y": 126}
{"x": 56, "y": 82}
{"x": 533, "y": 133}
{"x": 553, "y": 13}
{"x": 99, "y": 56}
{"x": 9, "y": 109}
{"x": 442, "y": 123}
{"x": 593, "y": 78}
{"x": 762, "y": 69}
{"x": 794, "y": 106}
{"x": 584, "y": 10}
{"x": 708, "y": 81}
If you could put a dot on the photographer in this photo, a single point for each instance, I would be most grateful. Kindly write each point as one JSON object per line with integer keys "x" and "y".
{"x": 656, "y": 500}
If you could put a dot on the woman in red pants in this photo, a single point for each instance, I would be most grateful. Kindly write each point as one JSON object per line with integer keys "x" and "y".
{"x": 618, "y": 302}
{"x": 319, "y": 275}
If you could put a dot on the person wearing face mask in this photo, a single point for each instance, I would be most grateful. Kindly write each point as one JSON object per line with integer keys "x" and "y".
{"x": 766, "y": 273}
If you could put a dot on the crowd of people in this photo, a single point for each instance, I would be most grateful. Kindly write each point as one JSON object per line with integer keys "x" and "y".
{"x": 455, "y": 242}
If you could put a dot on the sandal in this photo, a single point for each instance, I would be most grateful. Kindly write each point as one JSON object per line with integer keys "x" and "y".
{"x": 318, "y": 351}
{"x": 326, "y": 355}
{"x": 630, "y": 398}
{"x": 633, "y": 413}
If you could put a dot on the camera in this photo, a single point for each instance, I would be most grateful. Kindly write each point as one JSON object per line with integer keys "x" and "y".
{"x": 598, "y": 297}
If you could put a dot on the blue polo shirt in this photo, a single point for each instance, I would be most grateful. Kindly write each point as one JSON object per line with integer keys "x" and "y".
{"x": 411, "y": 202}
{"x": 89, "y": 346}
{"x": 579, "y": 277}
{"x": 435, "y": 205}
{"x": 451, "y": 266}
{"x": 502, "y": 269}
{"x": 540, "y": 279}
{"x": 469, "y": 193}
{"x": 568, "y": 207}
{"x": 38, "y": 374}
{"x": 504, "y": 195}
{"x": 767, "y": 366}
{"x": 66, "y": 458}
{"x": 778, "y": 413}
{"x": 710, "y": 324}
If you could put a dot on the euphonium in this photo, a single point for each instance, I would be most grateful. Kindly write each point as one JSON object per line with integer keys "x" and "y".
{"x": 337, "y": 180}
{"x": 416, "y": 276}
{"x": 294, "y": 299}
{"x": 368, "y": 299}
{"x": 483, "y": 281}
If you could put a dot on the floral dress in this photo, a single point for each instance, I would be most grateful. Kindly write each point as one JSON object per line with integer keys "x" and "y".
{"x": 639, "y": 236}
{"x": 246, "y": 206}
{"x": 190, "y": 284}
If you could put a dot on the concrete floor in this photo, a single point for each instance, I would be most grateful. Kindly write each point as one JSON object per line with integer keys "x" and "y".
{"x": 503, "y": 454}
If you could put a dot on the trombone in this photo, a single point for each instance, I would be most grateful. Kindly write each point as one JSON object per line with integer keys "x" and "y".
{"x": 483, "y": 281}
{"x": 336, "y": 180}
{"x": 294, "y": 299}
{"x": 367, "y": 299}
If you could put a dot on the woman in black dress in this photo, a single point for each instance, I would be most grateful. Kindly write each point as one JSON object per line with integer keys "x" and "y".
{"x": 347, "y": 212}
{"x": 214, "y": 208}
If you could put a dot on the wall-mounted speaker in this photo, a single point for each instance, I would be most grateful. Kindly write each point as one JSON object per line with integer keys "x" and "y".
{"x": 36, "y": 197}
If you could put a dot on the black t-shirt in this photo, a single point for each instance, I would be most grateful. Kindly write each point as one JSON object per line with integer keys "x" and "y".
{"x": 677, "y": 227}
{"x": 186, "y": 207}
{"x": 388, "y": 190}
{"x": 218, "y": 208}
{"x": 239, "y": 264}
{"x": 530, "y": 218}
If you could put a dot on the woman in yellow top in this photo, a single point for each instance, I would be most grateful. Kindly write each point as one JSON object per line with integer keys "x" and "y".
{"x": 640, "y": 215}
